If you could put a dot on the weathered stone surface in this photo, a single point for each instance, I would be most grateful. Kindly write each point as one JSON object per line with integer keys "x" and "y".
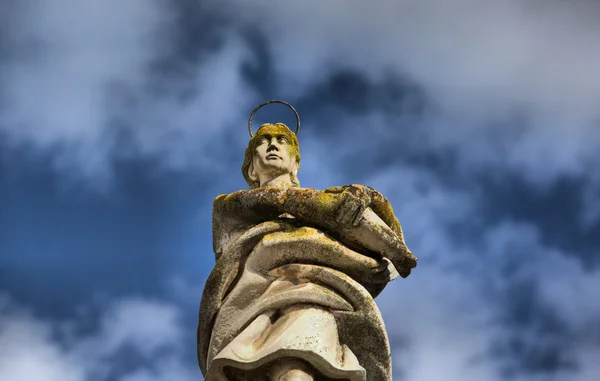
{"x": 296, "y": 274}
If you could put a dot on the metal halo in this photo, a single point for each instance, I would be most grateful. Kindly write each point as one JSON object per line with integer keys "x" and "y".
{"x": 269, "y": 102}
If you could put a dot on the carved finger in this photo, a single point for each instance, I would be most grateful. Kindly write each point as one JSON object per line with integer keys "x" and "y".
{"x": 342, "y": 210}
{"x": 359, "y": 213}
{"x": 384, "y": 273}
{"x": 381, "y": 277}
{"x": 404, "y": 272}
{"x": 411, "y": 264}
{"x": 348, "y": 209}
{"x": 409, "y": 260}
{"x": 405, "y": 263}
{"x": 348, "y": 213}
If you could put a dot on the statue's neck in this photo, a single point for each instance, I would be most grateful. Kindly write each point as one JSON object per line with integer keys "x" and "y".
{"x": 281, "y": 181}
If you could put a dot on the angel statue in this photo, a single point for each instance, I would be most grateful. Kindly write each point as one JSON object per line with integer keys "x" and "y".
{"x": 291, "y": 296}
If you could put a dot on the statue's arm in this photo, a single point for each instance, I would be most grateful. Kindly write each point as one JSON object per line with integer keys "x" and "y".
{"x": 264, "y": 204}
{"x": 238, "y": 211}
{"x": 378, "y": 203}
{"x": 382, "y": 207}
{"x": 377, "y": 228}
{"x": 340, "y": 210}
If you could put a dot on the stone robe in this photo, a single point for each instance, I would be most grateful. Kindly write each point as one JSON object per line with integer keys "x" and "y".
{"x": 281, "y": 289}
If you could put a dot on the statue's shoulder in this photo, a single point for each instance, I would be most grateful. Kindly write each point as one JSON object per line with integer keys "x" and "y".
{"x": 220, "y": 203}
{"x": 223, "y": 198}
{"x": 229, "y": 202}
{"x": 220, "y": 199}
{"x": 225, "y": 195}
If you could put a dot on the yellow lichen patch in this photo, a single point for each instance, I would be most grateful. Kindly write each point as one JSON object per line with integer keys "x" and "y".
{"x": 303, "y": 232}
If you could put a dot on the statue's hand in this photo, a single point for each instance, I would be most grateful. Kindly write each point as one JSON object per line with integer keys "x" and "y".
{"x": 406, "y": 263}
{"x": 353, "y": 201}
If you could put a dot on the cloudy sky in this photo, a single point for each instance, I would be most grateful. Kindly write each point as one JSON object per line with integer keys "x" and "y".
{"x": 120, "y": 121}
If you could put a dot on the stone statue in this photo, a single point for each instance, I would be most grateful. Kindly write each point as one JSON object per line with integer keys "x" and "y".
{"x": 297, "y": 269}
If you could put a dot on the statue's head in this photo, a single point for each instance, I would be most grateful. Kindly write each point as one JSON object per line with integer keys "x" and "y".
{"x": 272, "y": 151}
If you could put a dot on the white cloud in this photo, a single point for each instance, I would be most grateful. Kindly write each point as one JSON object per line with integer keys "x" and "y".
{"x": 70, "y": 64}
{"x": 449, "y": 324}
{"x": 444, "y": 310}
{"x": 63, "y": 56}
{"x": 185, "y": 134}
{"x": 28, "y": 353}
{"x": 147, "y": 325}
{"x": 480, "y": 60}
{"x": 445, "y": 324}
{"x": 440, "y": 313}
{"x": 29, "y": 349}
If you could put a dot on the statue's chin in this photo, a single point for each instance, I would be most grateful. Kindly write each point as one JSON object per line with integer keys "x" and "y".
{"x": 275, "y": 167}
{"x": 274, "y": 170}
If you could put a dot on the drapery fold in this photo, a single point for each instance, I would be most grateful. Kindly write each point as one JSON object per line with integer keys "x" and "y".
{"x": 281, "y": 290}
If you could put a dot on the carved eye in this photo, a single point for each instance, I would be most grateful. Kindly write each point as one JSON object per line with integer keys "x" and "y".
{"x": 263, "y": 141}
{"x": 283, "y": 140}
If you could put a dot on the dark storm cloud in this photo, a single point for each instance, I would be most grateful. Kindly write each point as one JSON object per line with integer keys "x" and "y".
{"x": 539, "y": 341}
{"x": 555, "y": 210}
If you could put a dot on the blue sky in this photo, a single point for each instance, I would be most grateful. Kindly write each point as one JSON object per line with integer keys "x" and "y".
{"x": 121, "y": 121}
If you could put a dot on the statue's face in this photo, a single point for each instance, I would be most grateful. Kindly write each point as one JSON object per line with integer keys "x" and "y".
{"x": 274, "y": 155}
{"x": 273, "y": 151}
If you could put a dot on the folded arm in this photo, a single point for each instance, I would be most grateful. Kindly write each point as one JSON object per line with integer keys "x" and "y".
{"x": 340, "y": 210}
